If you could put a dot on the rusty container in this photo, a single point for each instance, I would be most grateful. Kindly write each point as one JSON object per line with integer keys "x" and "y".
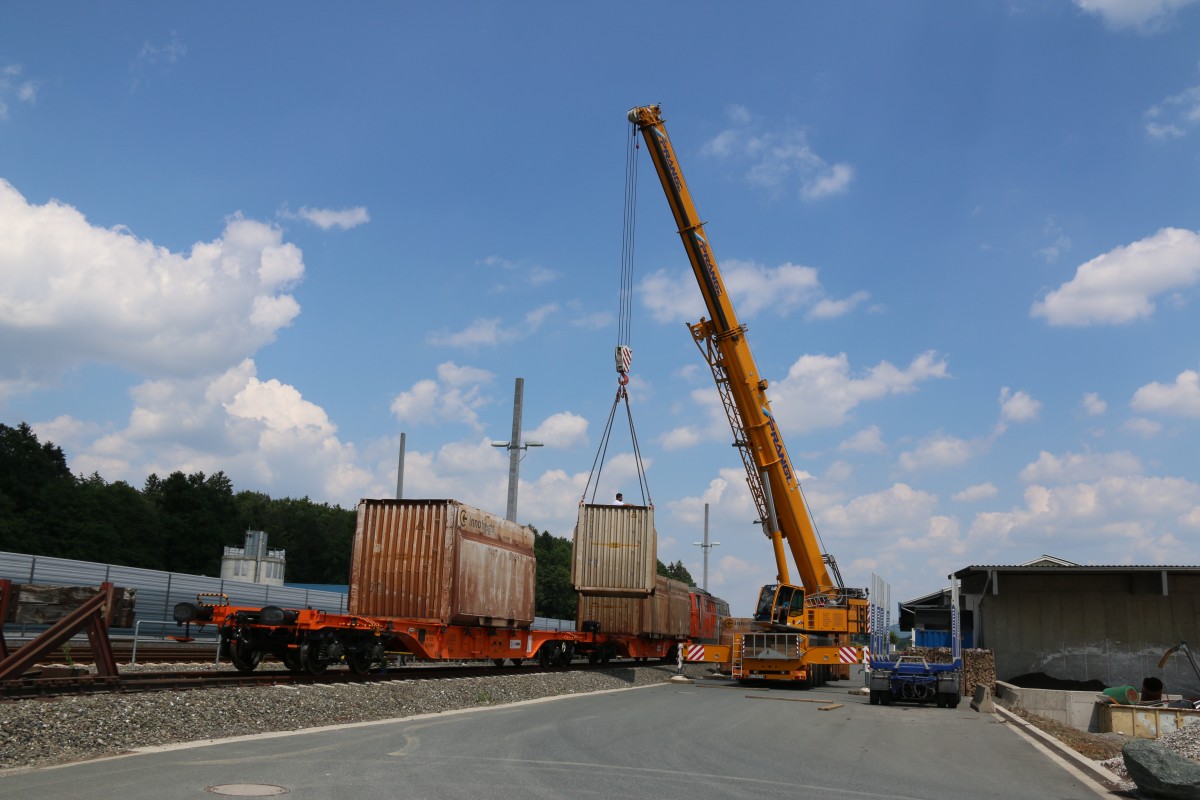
{"x": 441, "y": 561}
{"x": 615, "y": 551}
{"x": 666, "y": 613}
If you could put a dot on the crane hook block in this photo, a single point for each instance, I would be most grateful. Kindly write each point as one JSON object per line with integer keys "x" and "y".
{"x": 624, "y": 357}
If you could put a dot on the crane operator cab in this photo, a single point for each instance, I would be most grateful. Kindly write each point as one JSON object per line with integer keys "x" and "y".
{"x": 778, "y": 603}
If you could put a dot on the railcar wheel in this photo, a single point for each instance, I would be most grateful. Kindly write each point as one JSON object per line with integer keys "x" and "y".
{"x": 243, "y": 655}
{"x": 310, "y": 657}
{"x": 518, "y": 662}
{"x": 360, "y": 661}
{"x": 291, "y": 659}
{"x": 499, "y": 662}
{"x": 547, "y": 654}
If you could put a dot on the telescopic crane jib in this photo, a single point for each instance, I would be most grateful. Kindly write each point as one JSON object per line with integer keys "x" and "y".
{"x": 819, "y": 605}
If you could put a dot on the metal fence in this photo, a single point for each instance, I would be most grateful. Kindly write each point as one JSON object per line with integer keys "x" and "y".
{"x": 157, "y": 591}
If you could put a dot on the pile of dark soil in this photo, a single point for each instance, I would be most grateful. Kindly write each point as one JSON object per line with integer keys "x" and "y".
{"x": 1094, "y": 746}
{"x": 1040, "y": 680}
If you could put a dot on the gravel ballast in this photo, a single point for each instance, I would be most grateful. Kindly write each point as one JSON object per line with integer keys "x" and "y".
{"x": 58, "y": 730}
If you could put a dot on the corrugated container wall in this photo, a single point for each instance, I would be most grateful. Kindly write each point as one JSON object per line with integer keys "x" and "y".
{"x": 616, "y": 551}
{"x": 666, "y": 613}
{"x": 441, "y": 560}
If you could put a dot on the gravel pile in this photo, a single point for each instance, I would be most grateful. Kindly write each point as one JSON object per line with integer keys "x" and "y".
{"x": 59, "y": 730}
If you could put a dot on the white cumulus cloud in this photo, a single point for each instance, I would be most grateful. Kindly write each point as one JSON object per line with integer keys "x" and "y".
{"x": 753, "y": 288}
{"x": 819, "y": 391}
{"x": 868, "y": 440}
{"x": 455, "y": 396}
{"x": 72, "y": 293}
{"x": 1145, "y": 15}
{"x": 262, "y": 434}
{"x": 1122, "y": 518}
{"x": 326, "y": 218}
{"x": 1093, "y": 405}
{"x": 1077, "y": 467}
{"x": 1175, "y": 117}
{"x": 1119, "y": 286}
{"x": 980, "y": 491}
{"x": 563, "y": 429}
{"x": 778, "y": 160}
{"x": 1018, "y": 406}
{"x": 1181, "y": 398}
{"x": 940, "y": 451}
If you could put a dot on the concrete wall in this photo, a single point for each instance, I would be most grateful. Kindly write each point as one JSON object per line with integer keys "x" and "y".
{"x": 1077, "y": 709}
{"x": 1111, "y": 626}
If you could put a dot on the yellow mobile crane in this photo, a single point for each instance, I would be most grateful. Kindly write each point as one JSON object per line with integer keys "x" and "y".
{"x": 806, "y": 627}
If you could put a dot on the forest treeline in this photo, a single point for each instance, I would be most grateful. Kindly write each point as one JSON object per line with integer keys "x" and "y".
{"x": 182, "y": 523}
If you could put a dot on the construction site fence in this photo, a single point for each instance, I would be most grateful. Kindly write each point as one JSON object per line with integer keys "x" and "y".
{"x": 158, "y": 592}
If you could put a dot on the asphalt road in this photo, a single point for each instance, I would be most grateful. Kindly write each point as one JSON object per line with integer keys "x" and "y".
{"x": 696, "y": 741}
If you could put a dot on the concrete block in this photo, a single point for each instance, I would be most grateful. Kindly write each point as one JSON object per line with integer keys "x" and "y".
{"x": 982, "y": 702}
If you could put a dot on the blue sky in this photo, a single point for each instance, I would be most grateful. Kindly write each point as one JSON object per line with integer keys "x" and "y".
{"x": 268, "y": 239}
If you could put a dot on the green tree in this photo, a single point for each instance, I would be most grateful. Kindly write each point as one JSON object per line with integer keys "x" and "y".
{"x": 555, "y": 596}
{"x": 318, "y": 537}
{"x": 676, "y": 571}
{"x": 34, "y": 480}
{"x": 198, "y": 518}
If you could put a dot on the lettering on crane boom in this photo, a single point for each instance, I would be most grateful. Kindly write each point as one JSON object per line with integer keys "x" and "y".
{"x": 701, "y": 245}
{"x": 779, "y": 452}
{"x": 709, "y": 266}
{"x": 670, "y": 162}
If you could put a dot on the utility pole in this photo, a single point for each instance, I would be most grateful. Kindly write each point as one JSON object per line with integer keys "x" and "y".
{"x": 707, "y": 546}
{"x": 400, "y": 472}
{"x": 514, "y": 447}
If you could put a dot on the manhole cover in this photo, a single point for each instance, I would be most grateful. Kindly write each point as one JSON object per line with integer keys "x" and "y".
{"x": 247, "y": 790}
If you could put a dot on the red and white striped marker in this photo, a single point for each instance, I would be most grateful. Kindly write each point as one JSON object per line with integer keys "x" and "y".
{"x": 848, "y": 655}
{"x": 694, "y": 652}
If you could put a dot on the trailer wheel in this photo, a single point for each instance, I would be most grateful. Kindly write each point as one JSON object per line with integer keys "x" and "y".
{"x": 941, "y": 699}
{"x": 885, "y": 697}
{"x": 953, "y": 699}
{"x": 874, "y": 697}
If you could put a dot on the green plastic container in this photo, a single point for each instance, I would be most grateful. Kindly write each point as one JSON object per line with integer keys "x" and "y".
{"x": 1123, "y": 695}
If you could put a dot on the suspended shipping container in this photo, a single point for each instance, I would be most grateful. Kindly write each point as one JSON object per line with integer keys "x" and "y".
{"x": 441, "y": 560}
{"x": 616, "y": 551}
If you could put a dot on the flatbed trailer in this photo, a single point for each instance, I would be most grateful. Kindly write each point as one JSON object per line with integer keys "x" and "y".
{"x": 914, "y": 679}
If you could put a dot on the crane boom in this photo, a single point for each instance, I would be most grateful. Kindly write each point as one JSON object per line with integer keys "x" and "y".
{"x": 769, "y": 471}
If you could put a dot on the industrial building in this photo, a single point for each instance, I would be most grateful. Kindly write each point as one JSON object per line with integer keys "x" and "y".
{"x": 1073, "y": 621}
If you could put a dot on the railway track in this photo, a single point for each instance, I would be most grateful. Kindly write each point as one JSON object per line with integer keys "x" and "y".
{"x": 55, "y": 685}
{"x": 148, "y": 652}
